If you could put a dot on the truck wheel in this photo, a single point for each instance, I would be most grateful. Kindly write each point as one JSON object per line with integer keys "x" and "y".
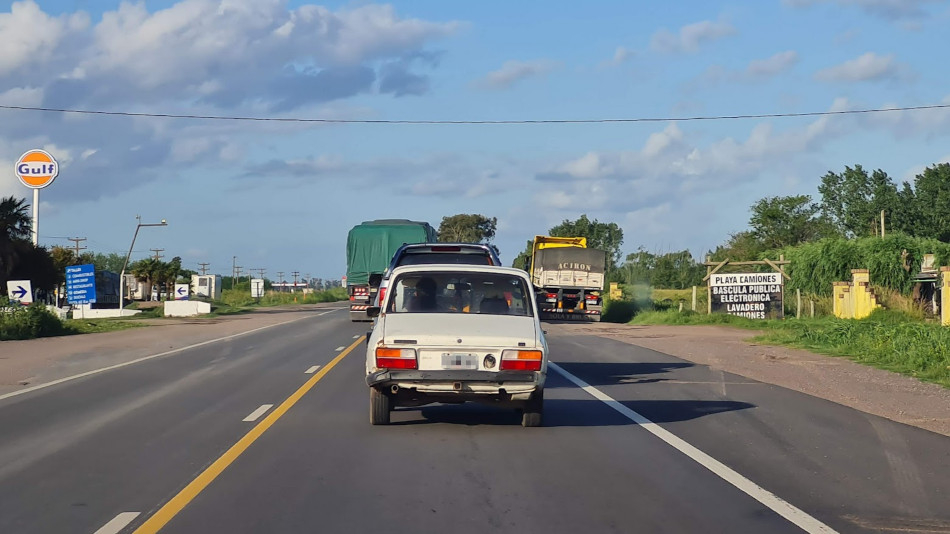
{"x": 379, "y": 407}
{"x": 531, "y": 415}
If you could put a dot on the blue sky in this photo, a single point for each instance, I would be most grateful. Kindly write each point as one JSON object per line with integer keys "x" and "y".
{"x": 282, "y": 196}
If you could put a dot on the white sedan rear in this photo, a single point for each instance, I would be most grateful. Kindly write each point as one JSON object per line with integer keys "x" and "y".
{"x": 457, "y": 333}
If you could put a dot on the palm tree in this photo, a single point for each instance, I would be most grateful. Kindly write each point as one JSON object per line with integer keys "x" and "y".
{"x": 15, "y": 225}
{"x": 147, "y": 270}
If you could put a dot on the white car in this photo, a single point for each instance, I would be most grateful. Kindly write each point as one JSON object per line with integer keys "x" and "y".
{"x": 457, "y": 333}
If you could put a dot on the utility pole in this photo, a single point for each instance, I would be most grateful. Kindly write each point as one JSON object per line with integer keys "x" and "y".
{"x": 280, "y": 279}
{"x": 77, "y": 248}
{"x": 204, "y": 267}
{"x": 233, "y": 267}
{"x": 156, "y": 251}
{"x": 260, "y": 272}
{"x": 296, "y": 274}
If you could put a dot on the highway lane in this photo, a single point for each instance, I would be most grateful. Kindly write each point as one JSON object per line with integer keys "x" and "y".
{"x": 131, "y": 439}
{"x": 74, "y": 453}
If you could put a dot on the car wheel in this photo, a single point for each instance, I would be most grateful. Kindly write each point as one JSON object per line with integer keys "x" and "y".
{"x": 531, "y": 415}
{"x": 379, "y": 407}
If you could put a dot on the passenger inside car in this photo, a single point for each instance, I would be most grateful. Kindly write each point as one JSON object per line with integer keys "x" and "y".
{"x": 424, "y": 298}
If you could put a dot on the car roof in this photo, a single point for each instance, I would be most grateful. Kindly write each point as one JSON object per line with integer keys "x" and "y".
{"x": 453, "y": 267}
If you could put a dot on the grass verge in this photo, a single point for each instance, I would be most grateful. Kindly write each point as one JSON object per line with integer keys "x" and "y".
{"x": 889, "y": 340}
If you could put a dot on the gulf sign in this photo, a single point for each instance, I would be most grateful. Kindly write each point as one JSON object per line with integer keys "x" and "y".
{"x": 36, "y": 169}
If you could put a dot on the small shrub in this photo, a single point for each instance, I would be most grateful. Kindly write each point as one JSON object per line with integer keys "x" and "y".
{"x": 28, "y": 322}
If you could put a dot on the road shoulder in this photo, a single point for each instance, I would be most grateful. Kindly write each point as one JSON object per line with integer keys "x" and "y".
{"x": 883, "y": 393}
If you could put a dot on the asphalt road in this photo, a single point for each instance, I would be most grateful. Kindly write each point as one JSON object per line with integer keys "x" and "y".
{"x": 651, "y": 443}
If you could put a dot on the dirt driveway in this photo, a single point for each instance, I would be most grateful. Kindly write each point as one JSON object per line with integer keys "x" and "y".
{"x": 839, "y": 380}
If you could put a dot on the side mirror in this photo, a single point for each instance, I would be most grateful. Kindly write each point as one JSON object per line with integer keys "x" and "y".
{"x": 373, "y": 312}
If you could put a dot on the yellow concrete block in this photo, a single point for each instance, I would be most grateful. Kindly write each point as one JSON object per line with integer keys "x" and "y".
{"x": 945, "y": 296}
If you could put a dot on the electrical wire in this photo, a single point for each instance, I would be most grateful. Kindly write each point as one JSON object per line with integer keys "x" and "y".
{"x": 486, "y": 122}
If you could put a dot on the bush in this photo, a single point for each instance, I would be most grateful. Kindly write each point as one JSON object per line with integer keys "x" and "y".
{"x": 814, "y": 266}
{"x": 618, "y": 311}
{"x": 28, "y": 322}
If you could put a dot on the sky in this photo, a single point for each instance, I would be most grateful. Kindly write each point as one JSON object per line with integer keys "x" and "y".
{"x": 281, "y": 196}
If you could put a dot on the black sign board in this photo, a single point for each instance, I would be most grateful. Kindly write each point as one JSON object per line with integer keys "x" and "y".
{"x": 751, "y": 295}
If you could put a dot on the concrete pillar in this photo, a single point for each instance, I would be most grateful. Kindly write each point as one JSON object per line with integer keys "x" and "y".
{"x": 838, "y": 304}
{"x": 861, "y": 288}
{"x": 945, "y": 296}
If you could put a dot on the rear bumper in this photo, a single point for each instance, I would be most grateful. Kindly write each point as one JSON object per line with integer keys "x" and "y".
{"x": 416, "y": 388}
{"x": 387, "y": 377}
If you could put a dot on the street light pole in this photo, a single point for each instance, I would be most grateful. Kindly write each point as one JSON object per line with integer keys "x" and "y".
{"x": 127, "y": 256}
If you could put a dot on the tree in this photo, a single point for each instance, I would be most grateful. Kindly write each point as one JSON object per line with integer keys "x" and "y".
{"x": 932, "y": 202}
{"x": 603, "y": 236}
{"x": 15, "y": 226}
{"x": 779, "y": 222}
{"x": 638, "y": 267}
{"x": 853, "y": 200}
{"x": 149, "y": 271}
{"x": 741, "y": 246}
{"x": 467, "y": 228}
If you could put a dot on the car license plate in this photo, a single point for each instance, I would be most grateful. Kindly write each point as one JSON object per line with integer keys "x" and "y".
{"x": 457, "y": 360}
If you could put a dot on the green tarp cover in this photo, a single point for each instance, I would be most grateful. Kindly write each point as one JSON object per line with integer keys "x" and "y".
{"x": 370, "y": 246}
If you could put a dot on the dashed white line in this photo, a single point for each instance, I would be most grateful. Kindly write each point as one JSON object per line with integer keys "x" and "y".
{"x": 357, "y": 336}
{"x": 118, "y": 523}
{"x": 338, "y": 349}
{"x": 256, "y": 414}
{"x": 312, "y": 370}
{"x": 775, "y": 503}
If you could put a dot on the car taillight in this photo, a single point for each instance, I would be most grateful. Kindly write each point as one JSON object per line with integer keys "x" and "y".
{"x": 387, "y": 358}
{"x": 591, "y": 298}
{"x": 382, "y": 295}
{"x": 521, "y": 360}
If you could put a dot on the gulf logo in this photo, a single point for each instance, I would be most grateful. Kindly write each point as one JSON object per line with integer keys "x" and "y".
{"x": 36, "y": 169}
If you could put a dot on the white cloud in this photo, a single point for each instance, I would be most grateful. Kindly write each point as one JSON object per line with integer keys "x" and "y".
{"x": 22, "y": 96}
{"x": 514, "y": 71}
{"x": 890, "y": 9}
{"x": 776, "y": 64}
{"x": 867, "y": 67}
{"x": 690, "y": 37}
{"x": 621, "y": 55}
{"x": 197, "y": 57}
{"x": 29, "y": 37}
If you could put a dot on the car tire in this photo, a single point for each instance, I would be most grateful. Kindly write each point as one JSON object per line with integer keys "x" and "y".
{"x": 379, "y": 407}
{"x": 531, "y": 415}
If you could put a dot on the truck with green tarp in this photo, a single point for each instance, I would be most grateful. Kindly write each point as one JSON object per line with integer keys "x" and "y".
{"x": 370, "y": 246}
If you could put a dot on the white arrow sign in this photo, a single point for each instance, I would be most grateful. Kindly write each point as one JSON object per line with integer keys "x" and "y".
{"x": 20, "y": 291}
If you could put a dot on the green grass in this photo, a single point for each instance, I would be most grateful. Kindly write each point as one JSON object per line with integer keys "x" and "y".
{"x": 890, "y": 340}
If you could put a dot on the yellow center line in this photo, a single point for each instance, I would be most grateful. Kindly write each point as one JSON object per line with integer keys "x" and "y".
{"x": 165, "y": 514}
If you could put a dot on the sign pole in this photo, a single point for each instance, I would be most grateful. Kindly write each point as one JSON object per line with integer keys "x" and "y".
{"x": 36, "y": 217}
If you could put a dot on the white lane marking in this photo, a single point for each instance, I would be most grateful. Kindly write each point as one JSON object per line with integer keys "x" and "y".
{"x": 256, "y": 414}
{"x": 338, "y": 349}
{"x": 357, "y": 336}
{"x": 118, "y": 523}
{"x": 146, "y": 358}
{"x": 767, "y": 498}
{"x": 312, "y": 370}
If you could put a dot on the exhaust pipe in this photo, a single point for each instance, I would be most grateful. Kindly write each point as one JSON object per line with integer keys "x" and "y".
{"x": 394, "y": 389}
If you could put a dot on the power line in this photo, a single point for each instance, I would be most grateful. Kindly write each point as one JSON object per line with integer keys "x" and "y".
{"x": 456, "y": 122}
{"x": 204, "y": 267}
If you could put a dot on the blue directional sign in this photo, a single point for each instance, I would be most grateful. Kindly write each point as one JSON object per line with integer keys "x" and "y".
{"x": 81, "y": 284}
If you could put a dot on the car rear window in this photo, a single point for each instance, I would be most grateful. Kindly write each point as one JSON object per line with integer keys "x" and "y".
{"x": 452, "y": 258}
{"x": 476, "y": 293}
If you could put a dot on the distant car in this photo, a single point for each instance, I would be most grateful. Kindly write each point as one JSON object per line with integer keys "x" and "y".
{"x": 457, "y": 333}
{"x": 432, "y": 253}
